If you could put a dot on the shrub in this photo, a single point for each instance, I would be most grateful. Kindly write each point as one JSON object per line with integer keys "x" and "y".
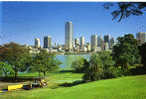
{"x": 79, "y": 65}
{"x": 99, "y": 67}
{"x": 94, "y": 71}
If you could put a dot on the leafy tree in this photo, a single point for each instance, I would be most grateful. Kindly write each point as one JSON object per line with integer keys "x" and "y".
{"x": 126, "y": 52}
{"x": 6, "y": 69}
{"x": 16, "y": 55}
{"x": 79, "y": 64}
{"x": 107, "y": 62}
{"x": 126, "y": 9}
{"x": 142, "y": 49}
{"x": 95, "y": 69}
{"x": 44, "y": 62}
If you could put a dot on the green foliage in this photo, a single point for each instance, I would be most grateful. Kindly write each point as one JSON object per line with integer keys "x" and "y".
{"x": 16, "y": 55}
{"x": 126, "y": 52}
{"x": 126, "y": 9}
{"x": 44, "y": 62}
{"x": 142, "y": 49}
{"x": 79, "y": 64}
{"x": 6, "y": 69}
{"x": 99, "y": 67}
{"x": 94, "y": 71}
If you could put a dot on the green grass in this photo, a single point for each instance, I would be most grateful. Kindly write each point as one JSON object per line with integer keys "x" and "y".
{"x": 132, "y": 87}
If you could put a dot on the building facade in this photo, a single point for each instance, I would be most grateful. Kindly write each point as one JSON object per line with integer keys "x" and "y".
{"x": 93, "y": 42}
{"x": 106, "y": 38}
{"x": 111, "y": 43}
{"x": 37, "y": 43}
{"x": 47, "y": 42}
{"x": 141, "y": 37}
{"x": 82, "y": 42}
{"x": 69, "y": 36}
{"x": 77, "y": 42}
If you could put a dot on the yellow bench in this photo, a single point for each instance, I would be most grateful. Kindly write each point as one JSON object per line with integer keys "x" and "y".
{"x": 13, "y": 87}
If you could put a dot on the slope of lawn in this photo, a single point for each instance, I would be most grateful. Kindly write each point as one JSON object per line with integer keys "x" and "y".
{"x": 132, "y": 87}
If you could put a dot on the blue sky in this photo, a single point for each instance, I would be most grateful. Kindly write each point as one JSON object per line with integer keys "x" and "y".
{"x": 24, "y": 21}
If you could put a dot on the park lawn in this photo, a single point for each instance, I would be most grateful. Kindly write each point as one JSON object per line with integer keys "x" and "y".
{"x": 131, "y": 87}
{"x": 58, "y": 77}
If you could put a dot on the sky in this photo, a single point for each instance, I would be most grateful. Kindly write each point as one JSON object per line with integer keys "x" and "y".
{"x": 22, "y": 22}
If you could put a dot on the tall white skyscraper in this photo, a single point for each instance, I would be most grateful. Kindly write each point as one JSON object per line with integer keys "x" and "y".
{"x": 47, "y": 42}
{"x": 37, "y": 43}
{"x": 82, "y": 41}
{"x": 141, "y": 37}
{"x": 93, "y": 42}
{"x": 69, "y": 36}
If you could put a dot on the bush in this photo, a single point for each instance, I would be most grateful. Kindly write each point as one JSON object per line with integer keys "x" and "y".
{"x": 142, "y": 49}
{"x": 79, "y": 65}
{"x": 100, "y": 67}
{"x": 94, "y": 71}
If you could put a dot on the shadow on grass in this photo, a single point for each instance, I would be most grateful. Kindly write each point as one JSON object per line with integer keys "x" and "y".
{"x": 72, "y": 84}
{"x": 66, "y": 71}
{"x": 138, "y": 71}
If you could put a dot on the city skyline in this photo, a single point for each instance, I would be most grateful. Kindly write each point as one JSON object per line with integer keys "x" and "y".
{"x": 28, "y": 22}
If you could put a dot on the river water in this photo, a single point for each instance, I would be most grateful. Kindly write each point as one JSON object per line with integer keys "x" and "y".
{"x": 68, "y": 59}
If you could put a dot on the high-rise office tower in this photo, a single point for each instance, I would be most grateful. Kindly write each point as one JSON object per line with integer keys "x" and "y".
{"x": 88, "y": 47}
{"x": 93, "y": 42}
{"x": 77, "y": 42}
{"x": 47, "y": 42}
{"x": 141, "y": 37}
{"x": 69, "y": 36}
{"x": 37, "y": 43}
{"x": 106, "y": 38}
{"x": 111, "y": 43}
{"x": 82, "y": 41}
{"x": 99, "y": 41}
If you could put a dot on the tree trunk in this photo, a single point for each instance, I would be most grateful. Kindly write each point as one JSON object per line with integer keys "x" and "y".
{"x": 16, "y": 73}
{"x": 44, "y": 74}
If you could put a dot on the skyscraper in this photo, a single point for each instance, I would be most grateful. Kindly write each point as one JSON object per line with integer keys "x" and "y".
{"x": 99, "y": 41}
{"x": 106, "y": 38}
{"x": 37, "y": 43}
{"x": 93, "y": 42}
{"x": 88, "y": 47}
{"x": 82, "y": 41}
{"x": 69, "y": 36}
{"x": 141, "y": 37}
{"x": 111, "y": 43}
{"x": 47, "y": 42}
{"x": 77, "y": 43}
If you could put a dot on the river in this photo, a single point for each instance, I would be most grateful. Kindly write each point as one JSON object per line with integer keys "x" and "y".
{"x": 68, "y": 59}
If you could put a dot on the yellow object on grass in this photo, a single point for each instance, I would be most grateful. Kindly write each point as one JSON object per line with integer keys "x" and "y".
{"x": 13, "y": 87}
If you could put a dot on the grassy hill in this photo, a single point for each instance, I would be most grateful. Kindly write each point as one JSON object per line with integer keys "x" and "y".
{"x": 132, "y": 87}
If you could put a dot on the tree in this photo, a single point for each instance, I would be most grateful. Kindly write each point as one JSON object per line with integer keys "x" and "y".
{"x": 6, "y": 69}
{"x": 142, "y": 49}
{"x": 94, "y": 70}
{"x": 107, "y": 62}
{"x": 16, "y": 55}
{"x": 126, "y": 9}
{"x": 79, "y": 64}
{"x": 44, "y": 62}
{"x": 126, "y": 52}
